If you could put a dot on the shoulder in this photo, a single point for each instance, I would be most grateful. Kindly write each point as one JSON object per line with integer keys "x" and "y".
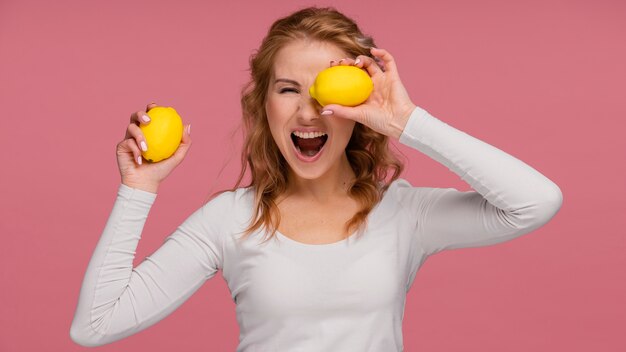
{"x": 398, "y": 189}
{"x": 223, "y": 213}
{"x": 230, "y": 200}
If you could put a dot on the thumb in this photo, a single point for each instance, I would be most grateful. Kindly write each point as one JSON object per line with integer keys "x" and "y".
{"x": 185, "y": 143}
{"x": 345, "y": 112}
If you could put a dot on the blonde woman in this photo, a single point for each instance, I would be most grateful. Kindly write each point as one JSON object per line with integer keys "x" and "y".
{"x": 320, "y": 249}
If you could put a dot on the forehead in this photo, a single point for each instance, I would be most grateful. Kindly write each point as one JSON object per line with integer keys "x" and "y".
{"x": 302, "y": 58}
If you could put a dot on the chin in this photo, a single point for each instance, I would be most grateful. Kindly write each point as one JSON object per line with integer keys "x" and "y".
{"x": 311, "y": 173}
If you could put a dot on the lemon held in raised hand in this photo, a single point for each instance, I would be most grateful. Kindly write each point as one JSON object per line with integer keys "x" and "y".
{"x": 163, "y": 134}
{"x": 343, "y": 85}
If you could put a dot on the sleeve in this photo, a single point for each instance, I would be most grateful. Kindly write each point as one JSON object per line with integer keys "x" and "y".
{"x": 117, "y": 300}
{"x": 509, "y": 198}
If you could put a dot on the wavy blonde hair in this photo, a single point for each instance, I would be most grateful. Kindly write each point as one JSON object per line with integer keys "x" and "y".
{"x": 367, "y": 151}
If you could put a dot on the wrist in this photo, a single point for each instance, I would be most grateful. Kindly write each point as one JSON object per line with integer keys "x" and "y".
{"x": 148, "y": 187}
{"x": 398, "y": 124}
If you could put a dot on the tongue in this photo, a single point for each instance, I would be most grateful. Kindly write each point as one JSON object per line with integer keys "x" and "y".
{"x": 310, "y": 145}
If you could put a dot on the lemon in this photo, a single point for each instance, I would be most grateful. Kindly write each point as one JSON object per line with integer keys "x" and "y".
{"x": 343, "y": 85}
{"x": 163, "y": 133}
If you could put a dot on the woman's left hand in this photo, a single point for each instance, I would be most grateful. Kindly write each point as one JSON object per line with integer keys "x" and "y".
{"x": 388, "y": 107}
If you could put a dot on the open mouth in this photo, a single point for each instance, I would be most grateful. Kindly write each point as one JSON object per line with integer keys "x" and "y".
{"x": 309, "y": 146}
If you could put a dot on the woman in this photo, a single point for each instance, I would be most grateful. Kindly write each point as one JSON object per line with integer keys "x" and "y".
{"x": 320, "y": 248}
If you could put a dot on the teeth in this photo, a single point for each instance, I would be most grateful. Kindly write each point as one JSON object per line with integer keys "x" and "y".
{"x": 307, "y": 135}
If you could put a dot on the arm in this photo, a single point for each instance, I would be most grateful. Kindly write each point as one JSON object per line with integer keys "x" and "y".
{"x": 117, "y": 300}
{"x": 510, "y": 198}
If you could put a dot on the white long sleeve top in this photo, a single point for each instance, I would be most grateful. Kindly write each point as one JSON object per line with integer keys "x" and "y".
{"x": 345, "y": 296}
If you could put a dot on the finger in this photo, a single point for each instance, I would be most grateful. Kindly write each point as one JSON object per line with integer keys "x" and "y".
{"x": 385, "y": 56}
{"x": 185, "y": 144}
{"x": 346, "y": 112}
{"x": 369, "y": 64}
{"x": 135, "y": 133}
{"x": 139, "y": 117}
{"x": 150, "y": 106}
{"x": 358, "y": 62}
{"x": 129, "y": 144}
{"x": 347, "y": 61}
{"x": 342, "y": 62}
{"x": 186, "y": 134}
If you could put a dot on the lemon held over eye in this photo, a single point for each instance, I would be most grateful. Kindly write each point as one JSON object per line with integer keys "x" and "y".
{"x": 163, "y": 133}
{"x": 343, "y": 85}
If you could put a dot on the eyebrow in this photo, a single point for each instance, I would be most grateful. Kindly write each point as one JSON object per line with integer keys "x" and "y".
{"x": 287, "y": 81}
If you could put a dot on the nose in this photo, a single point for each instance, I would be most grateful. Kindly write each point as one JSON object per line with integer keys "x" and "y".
{"x": 310, "y": 109}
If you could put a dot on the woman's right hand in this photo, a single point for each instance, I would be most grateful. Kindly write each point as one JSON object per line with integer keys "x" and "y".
{"x": 135, "y": 171}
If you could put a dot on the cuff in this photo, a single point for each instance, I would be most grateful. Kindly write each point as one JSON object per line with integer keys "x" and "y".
{"x": 413, "y": 126}
{"x": 130, "y": 193}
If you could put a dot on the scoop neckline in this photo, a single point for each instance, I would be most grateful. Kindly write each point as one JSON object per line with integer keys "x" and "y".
{"x": 352, "y": 236}
{"x": 311, "y": 245}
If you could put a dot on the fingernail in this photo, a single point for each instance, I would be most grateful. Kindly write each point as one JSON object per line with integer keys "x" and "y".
{"x": 139, "y": 160}
{"x": 357, "y": 61}
{"x": 326, "y": 112}
{"x": 144, "y": 147}
{"x": 145, "y": 118}
{"x": 189, "y": 129}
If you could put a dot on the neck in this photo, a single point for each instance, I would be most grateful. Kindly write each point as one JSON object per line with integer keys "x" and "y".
{"x": 334, "y": 183}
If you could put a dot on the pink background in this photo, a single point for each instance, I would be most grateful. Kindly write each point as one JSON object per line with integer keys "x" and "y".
{"x": 543, "y": 80}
